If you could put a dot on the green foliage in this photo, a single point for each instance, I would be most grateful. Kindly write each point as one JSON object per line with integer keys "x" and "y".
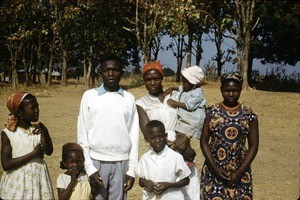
{"x": 277, "y": 38}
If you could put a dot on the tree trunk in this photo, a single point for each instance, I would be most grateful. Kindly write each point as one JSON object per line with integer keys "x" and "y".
{"x": 14, "y": 53}
{"x": 85, "y": 80}
{"x": 199, "y": 49}
{"x": 40, "y": 67}
{"x": 50, "y": 68}
{"x": 245, "y": 60}
{"x": 180, "y": 56}
{"x": 245, "y": 9}
{"x": 64, "y": 68}
{"x": 189, "y": 49}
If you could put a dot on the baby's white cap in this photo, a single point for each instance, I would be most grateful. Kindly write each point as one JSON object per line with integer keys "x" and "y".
{"x": 193, "y": 74}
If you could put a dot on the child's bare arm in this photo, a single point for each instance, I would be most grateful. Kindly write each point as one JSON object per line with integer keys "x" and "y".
{"x": 64, "y": 194}
{"x": 162, "y": 186}
{"x": 9, "y": 163}
{"x": 46, "y": 140}
{"x": 148, "y": 184}
{"x": 176, "y": 104}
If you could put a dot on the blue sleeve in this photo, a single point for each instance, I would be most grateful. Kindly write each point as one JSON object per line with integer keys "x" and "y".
{"x": 195, "y": 99}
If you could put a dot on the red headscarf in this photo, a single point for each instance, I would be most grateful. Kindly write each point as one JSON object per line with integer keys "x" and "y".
{"x": 153, "y": 65}
{"x": 13, "y": 104}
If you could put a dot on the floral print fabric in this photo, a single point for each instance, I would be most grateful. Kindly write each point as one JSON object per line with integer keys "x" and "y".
{"x": 229, "y": 130}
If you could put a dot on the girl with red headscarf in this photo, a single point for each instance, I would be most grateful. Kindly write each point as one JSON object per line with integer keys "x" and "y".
{"x": 23, "y": 147}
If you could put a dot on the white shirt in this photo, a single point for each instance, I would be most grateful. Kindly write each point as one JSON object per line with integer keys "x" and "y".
{"x": 161, "y": 111}
{"x": 165, "y": 166}
{"x": 108, "y": 128}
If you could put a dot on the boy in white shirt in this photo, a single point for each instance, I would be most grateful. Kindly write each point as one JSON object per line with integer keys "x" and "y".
{"x": 163, "y": 172}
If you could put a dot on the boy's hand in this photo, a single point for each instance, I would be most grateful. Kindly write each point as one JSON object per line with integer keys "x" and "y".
{"x": 161, "y": 187}
{"x": 129, "y": 181}
{"x": 149, "y": 185}
{"x": 96, "y": 180}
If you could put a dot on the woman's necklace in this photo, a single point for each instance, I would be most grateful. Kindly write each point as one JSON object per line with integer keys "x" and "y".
{"x": 230, "y": 108}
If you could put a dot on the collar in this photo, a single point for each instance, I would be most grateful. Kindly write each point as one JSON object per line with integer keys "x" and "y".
{"x": 163, "y": 152}
{"x": 101, "y": 90}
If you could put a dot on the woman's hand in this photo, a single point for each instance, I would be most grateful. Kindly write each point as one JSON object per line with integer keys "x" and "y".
{"x": 234, "y": 180}
{"x": 222, "y": 174}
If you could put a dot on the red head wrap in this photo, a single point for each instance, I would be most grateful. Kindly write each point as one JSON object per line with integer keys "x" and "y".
{"x": 153, "y": 65}
{"x": 13, "y": 104}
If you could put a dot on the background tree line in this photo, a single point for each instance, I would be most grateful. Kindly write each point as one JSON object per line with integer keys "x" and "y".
{"x": 40, "y": 36}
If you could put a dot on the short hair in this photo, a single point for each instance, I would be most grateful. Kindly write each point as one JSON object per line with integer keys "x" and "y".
{"x": 155, "y": 123}
{"x": 111, "y": 57}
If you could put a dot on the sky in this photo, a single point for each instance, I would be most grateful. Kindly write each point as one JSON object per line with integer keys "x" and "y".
{"x": 168, "y": 60}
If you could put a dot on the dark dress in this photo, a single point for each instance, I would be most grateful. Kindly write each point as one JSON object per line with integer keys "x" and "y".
{"x": 229, "y": 130}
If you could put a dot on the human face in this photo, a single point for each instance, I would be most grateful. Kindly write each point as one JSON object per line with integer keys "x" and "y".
{"x": 231, "y": 92}
{"x": 111, "y": 72}
{"x": 187, "y": 86}
{"x": 156, "y": 138}
{"x": 152, "y": 80}
{"x": 74, "y": 160}
{"x": 29, "y": 109}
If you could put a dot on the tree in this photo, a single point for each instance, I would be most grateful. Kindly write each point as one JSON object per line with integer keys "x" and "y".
{"x": 243, "y": 24}
{"x": 277, "y": 38}
{"x": 220, "y": 20}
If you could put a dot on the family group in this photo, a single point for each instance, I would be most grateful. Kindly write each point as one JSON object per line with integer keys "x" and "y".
{"x": 104, "y": 162}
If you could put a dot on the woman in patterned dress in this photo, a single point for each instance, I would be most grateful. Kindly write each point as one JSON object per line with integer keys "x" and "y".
{"x": 226, "y": 173}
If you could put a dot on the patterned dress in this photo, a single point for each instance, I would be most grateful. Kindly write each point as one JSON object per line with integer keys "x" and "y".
{"x": 30, "y": 181}
{"x": 229, "y": 130}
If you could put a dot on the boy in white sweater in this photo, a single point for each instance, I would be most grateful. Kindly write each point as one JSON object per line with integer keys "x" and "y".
{"x": 108, "y": 131}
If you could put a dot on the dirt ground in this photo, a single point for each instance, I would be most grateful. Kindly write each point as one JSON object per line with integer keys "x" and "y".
{"x": 276, "y": 167}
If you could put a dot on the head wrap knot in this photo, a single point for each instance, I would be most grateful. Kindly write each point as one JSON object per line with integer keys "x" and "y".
{"x": 13, "y": 104}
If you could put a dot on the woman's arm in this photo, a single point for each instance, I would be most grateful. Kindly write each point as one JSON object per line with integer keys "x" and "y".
{"x": 9, "y": 163}
{"x": 204, "y": 144}
{"x": 253, "y": 142}
{"x": 143, "y": 118}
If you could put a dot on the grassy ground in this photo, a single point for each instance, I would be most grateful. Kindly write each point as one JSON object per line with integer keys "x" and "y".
{"x": 276, "y": 167}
